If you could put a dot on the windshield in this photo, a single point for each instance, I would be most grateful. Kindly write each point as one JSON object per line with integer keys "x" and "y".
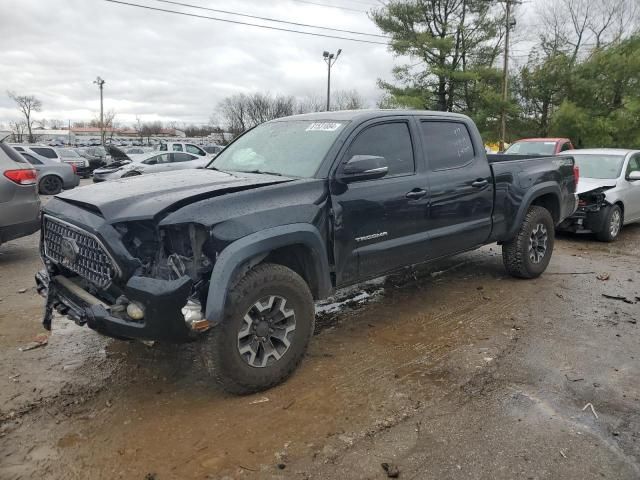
{"x": 293, "y": 148}
{"x": 532, "y": 148}
{"x": 599, "y": 166}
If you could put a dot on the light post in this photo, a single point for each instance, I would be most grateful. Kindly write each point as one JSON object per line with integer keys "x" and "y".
{"x": 330, "y": 59}
{"x": 100, "y": 82}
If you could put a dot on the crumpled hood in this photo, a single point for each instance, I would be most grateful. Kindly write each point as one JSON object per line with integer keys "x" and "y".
{"x": 145, "y": 196}
{"x": 588, "y": 184}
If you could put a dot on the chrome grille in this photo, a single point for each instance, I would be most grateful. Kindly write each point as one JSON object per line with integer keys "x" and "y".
{"x": 77, "y": 250}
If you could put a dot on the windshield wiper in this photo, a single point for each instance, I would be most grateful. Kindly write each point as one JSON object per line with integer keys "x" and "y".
{"x": 263, "y": 172}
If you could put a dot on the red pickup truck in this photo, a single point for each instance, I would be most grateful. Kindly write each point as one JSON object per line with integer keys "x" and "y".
{"x": 540, "y": 146}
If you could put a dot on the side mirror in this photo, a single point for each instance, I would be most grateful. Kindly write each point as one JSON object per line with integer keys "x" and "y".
{"x": 363, "y": 167}
{"x": 633, "y": 176}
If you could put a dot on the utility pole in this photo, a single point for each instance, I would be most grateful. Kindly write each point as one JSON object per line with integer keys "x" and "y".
{"x": 510, "y": 22}
{"x": 100, "y": 82}
{"x": 330, "y": 59}
{"x": 69, "y": 132}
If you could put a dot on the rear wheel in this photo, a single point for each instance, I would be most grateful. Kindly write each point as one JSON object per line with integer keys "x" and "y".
{"x": 529, "y": 252}
{"x": 269, "y": 321}
{"x": 50, "y": 185}
{"x": 612, "y": 225}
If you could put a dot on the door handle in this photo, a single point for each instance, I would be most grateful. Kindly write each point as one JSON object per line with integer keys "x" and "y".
{"x": 481, "y": 182}
{"x": 416, "y": 193}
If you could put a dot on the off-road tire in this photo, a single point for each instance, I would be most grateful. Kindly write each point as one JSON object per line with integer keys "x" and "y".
{"x": 230, "y": 369}
{"x": 605, "y": 235}
{"x": 50, "y": 185}
{"x": 515, "y": 253}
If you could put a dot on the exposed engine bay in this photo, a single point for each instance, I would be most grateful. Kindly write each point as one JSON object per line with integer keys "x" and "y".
{"x": 590, "y": 212}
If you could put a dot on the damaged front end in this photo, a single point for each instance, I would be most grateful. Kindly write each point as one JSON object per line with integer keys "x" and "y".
{"x": 591, "y": 213}
{"x": 154, "y": 287}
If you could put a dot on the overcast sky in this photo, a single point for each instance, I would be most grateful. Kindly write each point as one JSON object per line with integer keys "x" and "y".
{"x": 160, "y": 66}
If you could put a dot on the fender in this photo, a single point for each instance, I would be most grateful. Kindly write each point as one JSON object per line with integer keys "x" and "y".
{"x": 260, "y": 243}
{"x": 535, "y": 192}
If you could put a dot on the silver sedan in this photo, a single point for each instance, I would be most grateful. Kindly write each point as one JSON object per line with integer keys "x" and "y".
{"x": 153, "y": 162}
{"x": 53, "y": 176}
{"x": 608, "y": 191}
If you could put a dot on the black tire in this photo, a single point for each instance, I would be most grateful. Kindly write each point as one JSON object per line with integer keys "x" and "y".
{"x": 527, "y": 255}
{"x": 50, "y": 185}
{"x": 130, "y": 174}
{"x": 612, "y": 225}
{"x": 233, "y": 370}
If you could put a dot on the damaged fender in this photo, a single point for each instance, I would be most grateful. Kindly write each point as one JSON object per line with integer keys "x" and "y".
{"x": 239, "y": 253}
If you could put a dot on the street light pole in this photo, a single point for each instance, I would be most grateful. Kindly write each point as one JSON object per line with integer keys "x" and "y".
{"x": 510, "y": 23}
{"x": 330, "y": 59}
{"x": 100, "y": 82}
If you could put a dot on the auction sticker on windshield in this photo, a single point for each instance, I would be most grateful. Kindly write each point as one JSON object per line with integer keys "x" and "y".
{"x": 323, "y": 127}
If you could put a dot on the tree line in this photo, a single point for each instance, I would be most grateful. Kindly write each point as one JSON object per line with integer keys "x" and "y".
{"x": 579, "y": 78}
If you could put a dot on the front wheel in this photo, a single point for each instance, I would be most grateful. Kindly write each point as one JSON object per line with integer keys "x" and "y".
{"x": 612, "y": 225}
{"x": 130, "y": 174}
{"x": 529, "y": 252}
{"x": 269, "y": 321}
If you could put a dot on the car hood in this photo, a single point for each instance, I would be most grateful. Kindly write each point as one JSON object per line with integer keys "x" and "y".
{"x": 116, "y": 153}
{"x": 588, "y": 184}
{"x": 147, "y": 196}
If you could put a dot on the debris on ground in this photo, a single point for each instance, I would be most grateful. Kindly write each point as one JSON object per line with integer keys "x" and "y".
{"x": 392, "y": 470}
{"x": 22, "y": 290}
{"x": 593, "y": 410}
{"x": 41, "y": 340}
{"x": 260, "y": 400}
{"x": 564, "y": 455}
{"x": 603, "y": 277}
{"x": 617, "y": 297}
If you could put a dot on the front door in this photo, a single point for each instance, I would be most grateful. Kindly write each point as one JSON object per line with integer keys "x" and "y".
{"x": 461, "y": 187}
{"x": 631, "y": 196}
{"x": 381, "y": 224}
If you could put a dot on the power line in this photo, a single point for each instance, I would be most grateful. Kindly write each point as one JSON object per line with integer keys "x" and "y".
{"x": 268, "y": 19}
{"x": 329, "y": 6}
{"x": 237, "y": 22}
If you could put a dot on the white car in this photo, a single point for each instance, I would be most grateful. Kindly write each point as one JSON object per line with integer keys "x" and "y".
{"x": 153, "y": 162}
{"x": 608, "y": 191}
{"x": 183, "y": 147}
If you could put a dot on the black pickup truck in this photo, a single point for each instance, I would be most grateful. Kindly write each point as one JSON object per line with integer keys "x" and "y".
{"x": 290, "y": 211}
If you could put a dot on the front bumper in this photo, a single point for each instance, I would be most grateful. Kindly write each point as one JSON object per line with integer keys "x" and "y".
{"x": 588, "y": 219}
{"x": 162, "y": 302}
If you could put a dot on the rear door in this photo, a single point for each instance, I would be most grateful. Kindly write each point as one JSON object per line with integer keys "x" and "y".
{"x": 461, "y": 187}
{"x": 380, "y": 224}
{"x": 182, "y": 161}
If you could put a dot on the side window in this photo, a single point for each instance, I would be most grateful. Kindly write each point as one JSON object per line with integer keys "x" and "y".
{"x": 183, "y": 157}
{"x": 163, "y": 147}
{"x": 177, "y": 147}
{"x": 565, "y": 146}
{"x": 389, "y": 140}
{"x": 45, "y": 152}
{"x": 446, "y": 144}
{"x": 195, "y": 150}
{"x": 634, "y": 164}
{"x": 20, "y": 149}
{"x": 31, "y": 159}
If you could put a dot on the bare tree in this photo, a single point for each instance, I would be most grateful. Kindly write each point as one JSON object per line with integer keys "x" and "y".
{"x": 18, "y": 129}
{"x": 242, "y": 112}
{"x": 27, "y": 104}
{"x": 57, "y": 124}
{"x": 109, "y": 119}
{"x": 310, "y": 104}
{"x": 347, "y": 100}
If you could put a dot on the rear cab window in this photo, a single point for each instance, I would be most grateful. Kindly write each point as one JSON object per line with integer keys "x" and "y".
{"x": 447, "y": 144}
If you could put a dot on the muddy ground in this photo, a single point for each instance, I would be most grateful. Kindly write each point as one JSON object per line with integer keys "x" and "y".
{"x": 448, "y": 371}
